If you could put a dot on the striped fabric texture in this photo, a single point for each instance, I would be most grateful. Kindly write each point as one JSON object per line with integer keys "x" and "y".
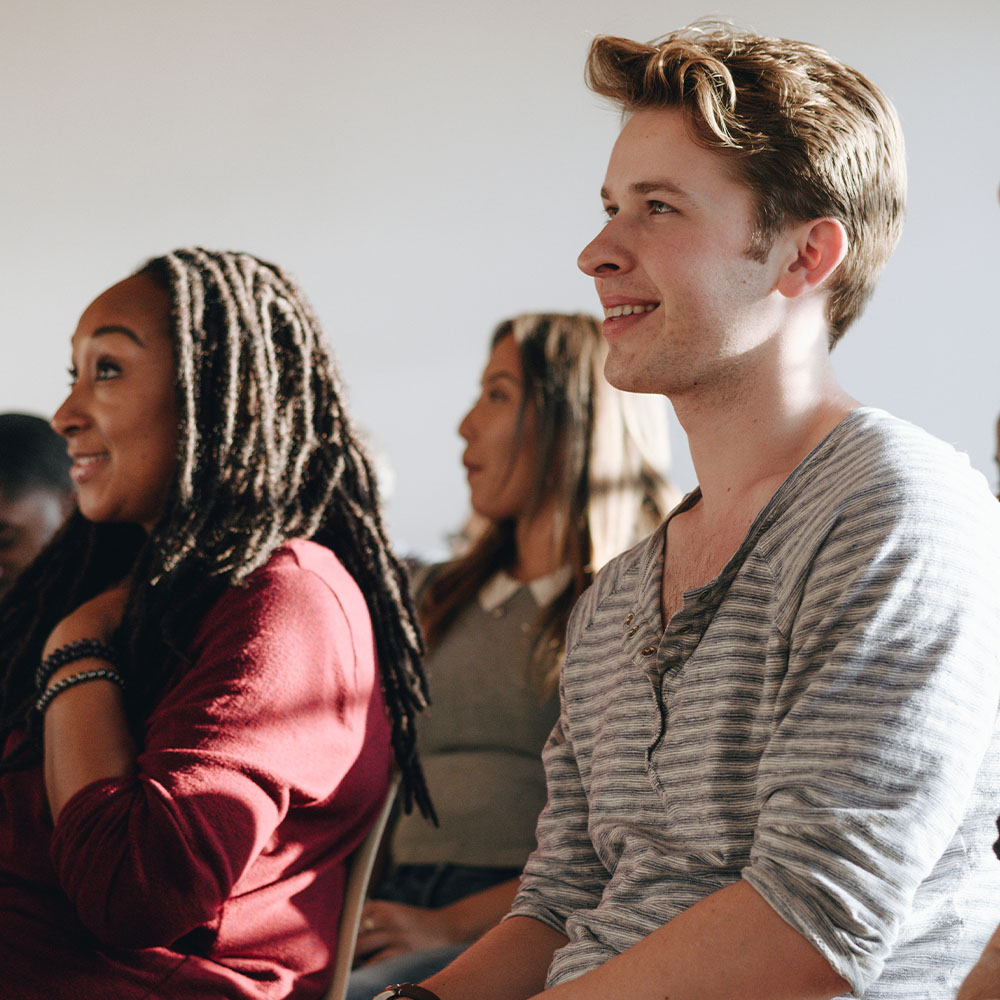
{"x": 819, "y": 720}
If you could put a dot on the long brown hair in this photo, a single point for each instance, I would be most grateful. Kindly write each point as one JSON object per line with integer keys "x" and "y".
{"x": 603, "y": 453}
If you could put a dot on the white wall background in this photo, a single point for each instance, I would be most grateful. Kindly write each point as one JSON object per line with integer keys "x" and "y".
{"x": 427, "y": 169}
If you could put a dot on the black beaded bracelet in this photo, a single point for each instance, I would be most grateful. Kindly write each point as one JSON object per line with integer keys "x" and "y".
{"x": 101, "y": 674}
{"x": 81, "y": 649}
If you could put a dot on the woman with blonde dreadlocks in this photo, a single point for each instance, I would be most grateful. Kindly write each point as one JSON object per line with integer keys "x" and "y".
{"x": 208, "y": 669}
{"x": 564, "y": 472}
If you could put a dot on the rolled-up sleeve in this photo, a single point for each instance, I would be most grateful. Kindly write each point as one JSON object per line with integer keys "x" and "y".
{"x": 888, "y": 708}
{"x": 563, "y": 875}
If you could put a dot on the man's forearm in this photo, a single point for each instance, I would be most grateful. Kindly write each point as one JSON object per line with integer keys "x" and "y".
{"x": 731, "y": 944}
{"x": 507, "y": 963}
{"x": 983, "y": 980}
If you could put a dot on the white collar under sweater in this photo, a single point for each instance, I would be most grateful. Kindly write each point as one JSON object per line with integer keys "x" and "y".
{"x": 503, "y": 586}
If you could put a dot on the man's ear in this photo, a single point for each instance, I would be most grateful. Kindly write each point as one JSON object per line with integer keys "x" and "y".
{"x": 818, "y": 246}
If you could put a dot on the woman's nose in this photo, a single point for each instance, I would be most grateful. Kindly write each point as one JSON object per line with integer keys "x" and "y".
{"x": 68, "y": 418}
{"x": 465, "y": 427}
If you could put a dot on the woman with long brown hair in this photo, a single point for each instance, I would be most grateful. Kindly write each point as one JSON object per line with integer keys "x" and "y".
{"x": 564, "y": 472}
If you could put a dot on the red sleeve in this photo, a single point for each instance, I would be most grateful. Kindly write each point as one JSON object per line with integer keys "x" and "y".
{"x": 270, "y": 717}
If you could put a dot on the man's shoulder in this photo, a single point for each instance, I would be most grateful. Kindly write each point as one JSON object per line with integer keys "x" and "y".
{"x": 873, "y": 459}
{"x": 881, "y": 488}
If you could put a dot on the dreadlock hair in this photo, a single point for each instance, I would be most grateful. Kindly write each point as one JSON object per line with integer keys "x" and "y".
{"x": 603, "y": 453}
{"x": 265, "y": 454}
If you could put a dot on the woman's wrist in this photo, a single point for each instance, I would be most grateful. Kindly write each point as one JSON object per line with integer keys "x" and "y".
{"x": 71, "y": 653}
{"x": 73, "y": 679}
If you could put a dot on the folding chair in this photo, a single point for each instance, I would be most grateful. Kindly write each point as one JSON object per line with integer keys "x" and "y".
{"x": 359, "y": 872}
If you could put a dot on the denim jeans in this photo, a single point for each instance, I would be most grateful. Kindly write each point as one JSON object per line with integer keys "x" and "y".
{"x": 422, "y": 885}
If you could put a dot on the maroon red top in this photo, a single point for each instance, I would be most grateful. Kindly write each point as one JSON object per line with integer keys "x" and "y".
{"x": 218, "y": 869}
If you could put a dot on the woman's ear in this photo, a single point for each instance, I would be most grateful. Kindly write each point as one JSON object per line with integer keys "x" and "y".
{"x": 818, "y": 247}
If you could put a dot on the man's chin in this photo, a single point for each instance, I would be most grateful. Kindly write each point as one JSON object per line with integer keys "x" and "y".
{"x": 628, "y": 377}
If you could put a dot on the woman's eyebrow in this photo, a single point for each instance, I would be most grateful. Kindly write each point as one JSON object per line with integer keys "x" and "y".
{"x": 131, "y": 334}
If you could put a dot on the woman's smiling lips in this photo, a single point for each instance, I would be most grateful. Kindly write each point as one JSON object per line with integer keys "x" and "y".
{"x": 86, "y": 465}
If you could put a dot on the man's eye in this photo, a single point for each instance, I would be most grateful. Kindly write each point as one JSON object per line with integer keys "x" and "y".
{"x": 660, "y": 208}
{"x": 610, "y": 211}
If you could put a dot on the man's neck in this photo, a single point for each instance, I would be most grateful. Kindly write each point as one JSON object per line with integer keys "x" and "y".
{"x": 747, "y": 437}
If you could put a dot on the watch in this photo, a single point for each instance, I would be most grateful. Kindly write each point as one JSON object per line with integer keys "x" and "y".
{"x": 405, "y": 990}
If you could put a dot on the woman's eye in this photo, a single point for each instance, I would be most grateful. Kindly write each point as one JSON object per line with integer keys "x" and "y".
{"x": 105, "y": 369}
{"x": 71, "y": 372}
{"x": 497, "y": 396}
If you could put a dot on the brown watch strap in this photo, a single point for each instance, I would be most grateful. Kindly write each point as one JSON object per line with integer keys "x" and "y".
{"x": 409, "y": 990}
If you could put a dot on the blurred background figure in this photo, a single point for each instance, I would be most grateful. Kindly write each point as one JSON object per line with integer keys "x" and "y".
{"x": 36, "y": 494}
{"x": 564, "y": 472}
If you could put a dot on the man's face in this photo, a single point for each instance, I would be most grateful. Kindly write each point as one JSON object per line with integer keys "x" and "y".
{"x": 683, "y": 303}
{"x": 27, "y": 522}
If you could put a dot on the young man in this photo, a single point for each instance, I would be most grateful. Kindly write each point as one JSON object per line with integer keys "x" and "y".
{"x": 35, "y": 491}
{"x": 775, "y": 769}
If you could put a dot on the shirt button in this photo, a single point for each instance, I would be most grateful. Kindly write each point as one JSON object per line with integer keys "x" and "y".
{"x": 648, "y": 650}
{"x": 628, "y": 619}
{"x": 632, "y": 631}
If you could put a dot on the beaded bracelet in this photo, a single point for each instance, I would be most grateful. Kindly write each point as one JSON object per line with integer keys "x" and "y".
{"x": 82, "y": 649}
{"x": 101, "y": 674}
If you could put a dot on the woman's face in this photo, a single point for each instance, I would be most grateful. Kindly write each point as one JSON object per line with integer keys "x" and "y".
{"x": 500, "y": 463}
{"x": 120, "y": 418}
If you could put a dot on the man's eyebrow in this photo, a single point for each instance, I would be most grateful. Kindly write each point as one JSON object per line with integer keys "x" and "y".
{"x": 131, "y": 334}
{"x": 650, "y": 187}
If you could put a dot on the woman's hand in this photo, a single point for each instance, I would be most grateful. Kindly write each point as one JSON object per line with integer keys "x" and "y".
{"x": 86, "y": 733}
{"x": 95, "y": 619}
{"x": 389, "y": 929}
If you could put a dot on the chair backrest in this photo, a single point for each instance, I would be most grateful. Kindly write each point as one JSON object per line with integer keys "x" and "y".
{"x": 359, "y": 872}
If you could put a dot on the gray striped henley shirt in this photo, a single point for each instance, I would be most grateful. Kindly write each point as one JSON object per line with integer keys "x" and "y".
{"x": 819, "y": 720}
